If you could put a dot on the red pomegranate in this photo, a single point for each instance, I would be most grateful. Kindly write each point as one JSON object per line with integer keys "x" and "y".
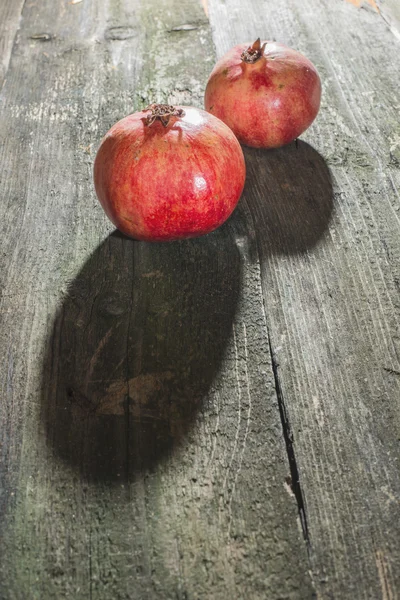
{"x": 266, "y": 93}
{"x": 168, "y": 173}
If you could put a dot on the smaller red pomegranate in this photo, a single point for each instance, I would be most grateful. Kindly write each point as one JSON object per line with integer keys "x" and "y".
{"x": 168, "y": 173}
{"x": 266, "y": 93}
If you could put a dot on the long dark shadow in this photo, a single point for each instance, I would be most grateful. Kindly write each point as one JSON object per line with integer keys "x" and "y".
{"x": 134, "y": 349}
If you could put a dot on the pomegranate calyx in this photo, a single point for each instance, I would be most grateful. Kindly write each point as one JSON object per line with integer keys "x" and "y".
{"x": 254, "y": 52}
{"x": 163, "y": 112}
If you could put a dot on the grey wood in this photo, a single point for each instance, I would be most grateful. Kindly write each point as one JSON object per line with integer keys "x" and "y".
{"x": 390, "y": 12}
{"x": 10, "y": 14}
{"x": 330, "y": 274}
{"x": 142, "y": 452}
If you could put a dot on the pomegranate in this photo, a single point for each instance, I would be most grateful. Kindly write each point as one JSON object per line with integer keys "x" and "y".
{"x": 266, "y": 93}
{"x": 168, "y": 173}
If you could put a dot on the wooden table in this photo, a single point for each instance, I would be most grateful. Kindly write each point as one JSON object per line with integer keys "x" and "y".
{"x": 216, "y": 418}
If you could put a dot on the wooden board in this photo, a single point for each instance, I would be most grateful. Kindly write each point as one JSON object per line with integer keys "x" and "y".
{"x": 142, "y": 453}
{"x": 329, "y": 249}
{"x": 216, "y": 418}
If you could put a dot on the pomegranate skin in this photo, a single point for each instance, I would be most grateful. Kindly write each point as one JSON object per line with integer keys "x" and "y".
{"x": 163, "y": 183}
{"x": 268, "y": 103}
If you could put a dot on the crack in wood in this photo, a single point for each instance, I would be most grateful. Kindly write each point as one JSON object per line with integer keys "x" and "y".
{"x": 392, "y": 371}
{"x": 289, "y": 443}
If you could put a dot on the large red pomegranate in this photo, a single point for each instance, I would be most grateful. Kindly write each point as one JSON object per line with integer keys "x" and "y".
{"x": 266, "y": 93}
{"x": 168, "y": 173}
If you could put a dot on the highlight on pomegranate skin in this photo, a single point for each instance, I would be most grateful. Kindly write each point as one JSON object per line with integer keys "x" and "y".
{"x": 267, "y": 93}
{"x": 168, "y": 173}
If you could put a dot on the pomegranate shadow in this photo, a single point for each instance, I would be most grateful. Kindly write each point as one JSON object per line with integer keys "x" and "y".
{"x": 134, "y": 349}
{"x": 290, "y": 197}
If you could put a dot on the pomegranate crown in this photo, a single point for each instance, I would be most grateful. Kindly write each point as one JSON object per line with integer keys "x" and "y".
{"x": 254, "y": 52}
{"x": 163, "y": 112}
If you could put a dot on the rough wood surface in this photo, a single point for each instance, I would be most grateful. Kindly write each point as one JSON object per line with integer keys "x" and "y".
{"x": 330, "y": 272}
{"x": 10, "y": 15}
{"x": 144, "y": 387}
{"x": 142, "y": 453}
{"x": 390, "y": 12}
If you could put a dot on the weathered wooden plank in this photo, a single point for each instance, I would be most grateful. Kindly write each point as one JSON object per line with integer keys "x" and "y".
{"x": 142, "y": 452}
{"x": 329, "y": 262}
{"x": 10, "y": 14}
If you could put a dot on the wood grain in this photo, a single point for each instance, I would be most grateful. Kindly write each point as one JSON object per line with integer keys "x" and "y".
{"x": 390, "y": 12}
{"x": 142, "y": 451}
{"x": 332, "y": 300}
{"x": 10, "y": 15}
